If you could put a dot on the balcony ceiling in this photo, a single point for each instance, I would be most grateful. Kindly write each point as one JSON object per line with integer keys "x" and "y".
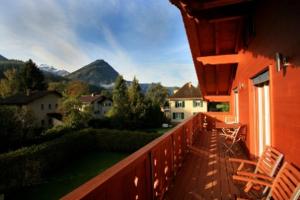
{"x": 216, "y": 30}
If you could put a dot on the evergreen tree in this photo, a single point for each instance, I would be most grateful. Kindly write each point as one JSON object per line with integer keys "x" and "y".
{"x": 120, "y": 109}
{"x": 32, "y": 78}
{"x": 136, "y": 103}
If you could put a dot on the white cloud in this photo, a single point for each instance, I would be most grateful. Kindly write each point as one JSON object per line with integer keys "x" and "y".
{"x": 47, "y": 32}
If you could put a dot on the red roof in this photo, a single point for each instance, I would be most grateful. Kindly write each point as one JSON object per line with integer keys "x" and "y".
{"x": 188, "y": 91}
{"x": 92, "y": 98}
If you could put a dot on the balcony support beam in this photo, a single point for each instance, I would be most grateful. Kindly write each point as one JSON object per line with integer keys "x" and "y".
{"x": 219, "y": 59}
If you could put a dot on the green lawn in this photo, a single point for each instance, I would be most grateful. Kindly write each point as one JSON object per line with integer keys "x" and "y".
{"x": 70, "y": 177}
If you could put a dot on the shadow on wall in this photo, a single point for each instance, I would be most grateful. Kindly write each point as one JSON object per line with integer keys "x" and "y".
{"x": 278, "y": 20}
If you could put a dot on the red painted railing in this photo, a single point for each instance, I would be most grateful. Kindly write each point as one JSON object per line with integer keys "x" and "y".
{"x": 147, "y": 173}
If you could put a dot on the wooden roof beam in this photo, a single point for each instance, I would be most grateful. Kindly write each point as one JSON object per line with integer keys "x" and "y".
{"x": 224, "y": 19}
{"x": 215, "y": 4}
{"x": 219, "y": 59}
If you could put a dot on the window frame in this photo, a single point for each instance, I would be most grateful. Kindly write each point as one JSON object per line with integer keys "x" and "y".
{"x": 179, "y": 104}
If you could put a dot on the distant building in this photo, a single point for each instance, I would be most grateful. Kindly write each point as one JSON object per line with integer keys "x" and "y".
{"x": 43, "y": 104}
{"x": 186, "y": 102}
{"x": 99, "y": 104}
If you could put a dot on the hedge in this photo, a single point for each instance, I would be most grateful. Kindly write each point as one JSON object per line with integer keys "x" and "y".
{"x": 32, "y": 165}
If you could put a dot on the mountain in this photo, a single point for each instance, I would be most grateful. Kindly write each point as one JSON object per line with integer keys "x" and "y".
{"x": 18, "y": 64}
{"x": 2, "y": 58}
{"x": 98, "y": 73}
{"x": 10, "y": 64}
{"x": 53, "y": 70}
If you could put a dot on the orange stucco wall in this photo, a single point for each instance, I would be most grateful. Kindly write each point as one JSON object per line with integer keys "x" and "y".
{"x": 277, "y": 27}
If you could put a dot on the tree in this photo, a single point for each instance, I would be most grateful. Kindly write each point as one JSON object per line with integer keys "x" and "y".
{"x": 106, "y": 93}
{"x": 76, "y": 88}
{"x": 16, "y": 125}
{"x": 154, "y": 117}
{"x": 57, "y": 86}
{"x": 75, "y": 115}
{"x": 136, "y": 103}
{"x": 32, "y": 78}
{"x": 10, "y": 84}
{"x": 120, "y": 109}
{"x": 157, "y": 94}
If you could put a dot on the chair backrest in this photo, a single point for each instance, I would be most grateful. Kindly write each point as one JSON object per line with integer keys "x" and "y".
{"x": 286, "y": 185}
{"x": 269, "y": 161}
{"x": 236, "y": 133}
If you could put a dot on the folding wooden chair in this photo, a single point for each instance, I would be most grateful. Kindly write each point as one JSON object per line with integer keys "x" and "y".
{"x": 233, "y": 136}
{"x": 266, "y": 164}
{"x": 285, "y": 186}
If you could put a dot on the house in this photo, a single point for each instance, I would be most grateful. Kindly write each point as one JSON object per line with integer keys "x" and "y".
{"x": 246, "y": 53}
{"x": 185, "y": 102}
{"x": 43, "y": 104}
{"x": 98, "y": 104}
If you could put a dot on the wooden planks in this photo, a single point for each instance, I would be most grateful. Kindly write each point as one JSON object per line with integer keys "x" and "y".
{"x": 207, "y": 173}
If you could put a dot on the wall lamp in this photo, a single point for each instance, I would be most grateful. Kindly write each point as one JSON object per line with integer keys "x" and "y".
{"x": 281, "y": 61}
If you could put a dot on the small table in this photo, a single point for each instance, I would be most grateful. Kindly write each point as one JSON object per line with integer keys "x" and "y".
{"x": 220, "y": 125}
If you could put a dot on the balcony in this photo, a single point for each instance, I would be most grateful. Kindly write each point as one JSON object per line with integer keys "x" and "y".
{"x": 188, "y": 162}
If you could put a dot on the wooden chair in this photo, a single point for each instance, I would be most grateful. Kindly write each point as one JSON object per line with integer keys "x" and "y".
{"x": 285, "y": 186}
{"x": 267, "y": 164}
{"x": 233, "y": 136}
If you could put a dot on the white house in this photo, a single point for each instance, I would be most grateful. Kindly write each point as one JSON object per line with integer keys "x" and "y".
{"x": 186, "y": 102}
{"x": 99, "y": 104}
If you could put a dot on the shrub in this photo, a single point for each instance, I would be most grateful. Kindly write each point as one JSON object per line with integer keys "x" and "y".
{"x": 100, "y": 123}
{"x": 31, "y": 165}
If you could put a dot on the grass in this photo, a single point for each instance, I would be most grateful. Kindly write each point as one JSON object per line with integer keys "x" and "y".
{"x": 70, "y": 177}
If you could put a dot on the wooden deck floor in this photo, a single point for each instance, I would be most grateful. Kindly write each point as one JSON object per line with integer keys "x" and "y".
{"x": 207, "y": 174}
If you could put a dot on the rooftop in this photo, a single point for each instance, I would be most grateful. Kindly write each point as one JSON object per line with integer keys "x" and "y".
{"x": 187, "y": 91}
{"x": 92, "y": 98}
{"x": 23, "y": 99}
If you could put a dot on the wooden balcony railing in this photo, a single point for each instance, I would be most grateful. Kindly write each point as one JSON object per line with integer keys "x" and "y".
{"x": 147, "y": 173}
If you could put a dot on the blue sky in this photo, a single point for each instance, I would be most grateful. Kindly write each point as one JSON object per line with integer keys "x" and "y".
{"x": 142, "y": 38}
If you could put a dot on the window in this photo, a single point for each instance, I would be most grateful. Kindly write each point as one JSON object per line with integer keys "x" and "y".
{"x": 42, "y": 122}
{"x": 178, "y": 116}
{"x": 107, "y": 104}
{"x": 42, "y": 106}
{"x": 198, "y": 103}
{"x": 218, "y": 107}
{"x": 179, "y": 104}
{"x": 56, "y": 106}
{"x": 195, "y": 113}
{"x": 50, "y": 122}
{"x": 49, "y": 106}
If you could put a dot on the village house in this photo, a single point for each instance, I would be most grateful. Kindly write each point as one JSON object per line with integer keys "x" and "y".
{"x": 98, "y": 104}
{"x": 185, "y": 102}
{"x": 43, "y": 105}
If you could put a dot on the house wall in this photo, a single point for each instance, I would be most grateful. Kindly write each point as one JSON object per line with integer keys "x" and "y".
{"x": 41, "y": 114}
{"x": 99, "y": 108}
{"x": 277, "y": 30}
{"x": 106, "y": 106}
{"x": 188, "y": 110}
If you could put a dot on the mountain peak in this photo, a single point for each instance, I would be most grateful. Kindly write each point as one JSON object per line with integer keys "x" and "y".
{"x": 99, "y": 62}
{"x": 53, "y": 70}
{"x": 97, "y": 73}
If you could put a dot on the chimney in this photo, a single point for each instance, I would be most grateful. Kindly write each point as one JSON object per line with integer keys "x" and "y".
{"x": 190, "y": 84}
{"x": 92, "y": 94}
{"x": 174, "y": 91}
